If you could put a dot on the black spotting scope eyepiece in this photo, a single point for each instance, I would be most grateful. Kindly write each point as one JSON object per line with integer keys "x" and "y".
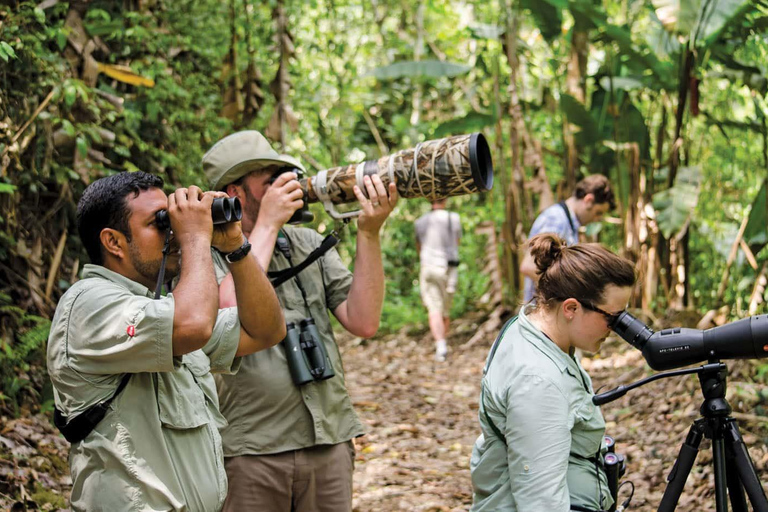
{"x": 680, "y": 346}
{"x": 223, "y": 211}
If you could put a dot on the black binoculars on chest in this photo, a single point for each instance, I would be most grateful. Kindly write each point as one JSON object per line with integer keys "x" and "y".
{"x": 305, "y": 352}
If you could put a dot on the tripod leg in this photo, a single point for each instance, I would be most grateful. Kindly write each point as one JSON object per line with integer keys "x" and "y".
{"x": 682, "y": 467}
{"x": 721, "y": 490}
{"x": 735, "y": 489}
{"x": 744, "y": 467}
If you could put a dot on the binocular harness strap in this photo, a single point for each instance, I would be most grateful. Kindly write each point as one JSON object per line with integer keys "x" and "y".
{"x": 279, "y": 277}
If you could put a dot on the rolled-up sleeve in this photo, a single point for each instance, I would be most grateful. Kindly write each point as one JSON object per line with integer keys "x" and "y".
{"x": 112, "y": 331}
{"x": 337, "y": 279}
{"x": 222, "y": 346}
{"x": 538, "y": 438}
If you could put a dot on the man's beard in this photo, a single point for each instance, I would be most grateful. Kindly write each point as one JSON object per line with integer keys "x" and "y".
{"x": 150, "y": 268}
{"x": 251, "y": 207}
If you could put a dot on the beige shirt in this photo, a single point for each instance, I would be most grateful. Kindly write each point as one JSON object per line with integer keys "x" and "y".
{"x": 158, "y": 447}
{"x": 266, "y": 412}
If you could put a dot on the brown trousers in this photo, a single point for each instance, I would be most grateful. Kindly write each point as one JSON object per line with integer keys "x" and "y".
{"x": 316, "y": 479}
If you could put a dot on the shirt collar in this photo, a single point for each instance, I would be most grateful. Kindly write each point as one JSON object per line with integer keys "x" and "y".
{"x": 546, "y": 345}
{"x": 91, "y": 271}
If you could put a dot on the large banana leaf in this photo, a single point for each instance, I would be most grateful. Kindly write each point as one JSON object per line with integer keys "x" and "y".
{"x": 702, "y": 20}
{"x": 548, "y": 16}
{"x": 756, "y": 232}
{"x": 675, "y": 204}
{"x": 419, "y": 69}
{"x": 576, "y": 113}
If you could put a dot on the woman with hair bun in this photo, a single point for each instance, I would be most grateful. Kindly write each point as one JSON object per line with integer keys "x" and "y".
{"x": 541, "y": 447}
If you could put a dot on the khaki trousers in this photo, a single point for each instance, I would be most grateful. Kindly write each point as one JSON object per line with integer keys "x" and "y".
{"x": 316, "y": 479}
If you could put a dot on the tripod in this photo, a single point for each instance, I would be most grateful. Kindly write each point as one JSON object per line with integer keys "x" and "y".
{"x": 734, "y": 470}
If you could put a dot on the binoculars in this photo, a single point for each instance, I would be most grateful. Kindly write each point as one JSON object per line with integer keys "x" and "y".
{"x": 615, "y": 466}
{"x": 306, "y": 354}
{"x": 302, "y": 215}
{"x": 223, "y": 211}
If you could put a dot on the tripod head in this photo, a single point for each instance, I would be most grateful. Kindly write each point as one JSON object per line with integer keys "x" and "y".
{"x": 679, "y": 346}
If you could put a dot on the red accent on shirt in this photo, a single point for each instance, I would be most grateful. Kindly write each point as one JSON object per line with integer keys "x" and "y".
{"x": 131, "y": 330}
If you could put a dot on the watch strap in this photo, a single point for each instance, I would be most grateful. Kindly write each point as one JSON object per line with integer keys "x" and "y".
{"x": 238, "y": 254}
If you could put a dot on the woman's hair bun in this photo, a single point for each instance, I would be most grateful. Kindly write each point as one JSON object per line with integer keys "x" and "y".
{"x": 546, "y": 249}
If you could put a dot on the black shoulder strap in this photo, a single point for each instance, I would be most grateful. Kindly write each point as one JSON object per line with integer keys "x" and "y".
{"x": 568, "y": 215}
{"x": 485, "y": 371}
{"x": 279, "y": 277}
{"x": 78, "y": 428}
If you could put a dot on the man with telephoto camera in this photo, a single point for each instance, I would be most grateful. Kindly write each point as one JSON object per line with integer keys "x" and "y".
{"x": 289, "y": 445}
{"x": 132, "y": 374}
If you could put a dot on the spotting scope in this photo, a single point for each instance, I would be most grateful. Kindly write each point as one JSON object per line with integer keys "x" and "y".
{"x": 680, "y": 346}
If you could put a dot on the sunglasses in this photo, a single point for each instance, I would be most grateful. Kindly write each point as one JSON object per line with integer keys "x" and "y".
{"x": 610, "y": 317}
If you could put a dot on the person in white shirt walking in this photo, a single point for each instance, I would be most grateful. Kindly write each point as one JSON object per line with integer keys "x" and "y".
{"x": 437, "y": 240}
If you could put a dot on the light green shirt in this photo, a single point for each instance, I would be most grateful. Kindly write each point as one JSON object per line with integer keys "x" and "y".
{"x": 158, "y": 447}
{"x": 266, "y": 412}
{"x": 540, "y": 399}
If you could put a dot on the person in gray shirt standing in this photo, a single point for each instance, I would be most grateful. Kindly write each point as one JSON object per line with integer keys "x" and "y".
{"x": 437, "y": 240}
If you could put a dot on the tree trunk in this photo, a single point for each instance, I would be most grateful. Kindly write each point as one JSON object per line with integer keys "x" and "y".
{"x": 575, "y": 85}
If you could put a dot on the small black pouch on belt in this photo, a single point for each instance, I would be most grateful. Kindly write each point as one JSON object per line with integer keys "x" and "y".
{"x": 78, "y": 428}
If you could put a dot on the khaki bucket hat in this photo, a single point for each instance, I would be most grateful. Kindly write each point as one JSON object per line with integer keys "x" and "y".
{"x": 238, "y": 154}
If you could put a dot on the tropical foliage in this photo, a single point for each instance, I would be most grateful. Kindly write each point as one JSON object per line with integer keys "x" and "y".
{"x": 667, "y": 97}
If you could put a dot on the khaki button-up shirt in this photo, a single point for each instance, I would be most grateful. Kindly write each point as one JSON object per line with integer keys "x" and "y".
{"x": 266, "y": 412}
{"x": 158, "y": 447}
{"x": 540, "y": 399}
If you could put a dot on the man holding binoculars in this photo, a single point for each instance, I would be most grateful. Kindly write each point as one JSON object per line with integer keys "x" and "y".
{"x": 288, "y": 444}
{"x": 132, "y": 375}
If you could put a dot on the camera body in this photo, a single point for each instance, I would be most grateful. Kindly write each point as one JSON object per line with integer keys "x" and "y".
{"x": 305, "y": 352}
{"x": 302, "y": 215}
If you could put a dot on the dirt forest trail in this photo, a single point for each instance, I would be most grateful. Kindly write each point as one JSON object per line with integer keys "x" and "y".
{"x": 421, "y": 419}
{"x": 421, "y": 422}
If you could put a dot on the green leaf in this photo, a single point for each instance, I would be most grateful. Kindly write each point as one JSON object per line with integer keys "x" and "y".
{"x": 472, "y": 122}
{"x": 82, "y": 146}
{"x": 68, "y": 128}
{"x": 70, "y": 95}
{"x": 576, "y": 113}
{"x": 700, "y": 20}
{"x": 420, "y": 69}
{"x": 548, "y": 16}
{"x": 756, "y": 232}
{"x": 7, "y": 188}
{"x": 676, "y": 204}
{"x": 6, "y": 51}
{"x": 40, "y": 15}
{"x": 61, "y": 39}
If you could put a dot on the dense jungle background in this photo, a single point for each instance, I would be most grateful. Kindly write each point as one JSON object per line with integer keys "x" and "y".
{"x": 666, "y": 97}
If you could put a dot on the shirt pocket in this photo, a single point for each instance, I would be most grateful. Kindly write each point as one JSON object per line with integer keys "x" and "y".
{"x": 180, "y": 399}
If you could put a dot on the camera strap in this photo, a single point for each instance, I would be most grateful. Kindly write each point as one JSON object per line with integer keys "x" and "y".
{"x": 284, "y": 246}
{"x": 78, "y": 428}
{"x": 568, "y": 216}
